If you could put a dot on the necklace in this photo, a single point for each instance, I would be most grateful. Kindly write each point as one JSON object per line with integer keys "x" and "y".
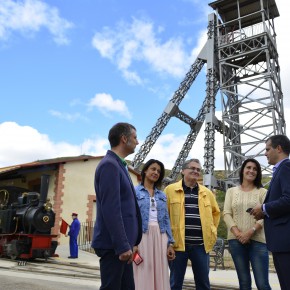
{"x": 153, "y": 206}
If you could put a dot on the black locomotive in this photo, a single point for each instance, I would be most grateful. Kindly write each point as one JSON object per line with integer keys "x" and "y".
{"x": 26, "y": 219}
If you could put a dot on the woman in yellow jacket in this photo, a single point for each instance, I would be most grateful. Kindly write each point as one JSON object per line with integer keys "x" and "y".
{"x": 194, "y": 216}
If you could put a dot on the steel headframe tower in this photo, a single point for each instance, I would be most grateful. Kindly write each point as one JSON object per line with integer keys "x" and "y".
{"x": 242, "y": 61}
{"x": 250, "y": 86}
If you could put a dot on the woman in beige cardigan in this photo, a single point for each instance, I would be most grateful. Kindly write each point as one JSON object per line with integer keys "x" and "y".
{"x": 246, "y": 235}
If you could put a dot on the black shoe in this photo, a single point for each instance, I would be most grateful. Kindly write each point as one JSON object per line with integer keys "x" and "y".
{"x": 70, "y": 257}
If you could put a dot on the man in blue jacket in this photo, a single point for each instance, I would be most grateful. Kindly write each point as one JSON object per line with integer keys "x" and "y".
{"x": 73, "y": 233}
{"x": 276, "y": 207}
{"x": 118, "y": 225}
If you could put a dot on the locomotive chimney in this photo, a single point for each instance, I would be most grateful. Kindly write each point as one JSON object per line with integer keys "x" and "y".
{"x": 43, "y": 188}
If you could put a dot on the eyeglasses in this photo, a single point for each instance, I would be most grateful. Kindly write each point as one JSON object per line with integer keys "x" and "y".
{"x": 193, "y": 169}
{"x": 152, "y": 204}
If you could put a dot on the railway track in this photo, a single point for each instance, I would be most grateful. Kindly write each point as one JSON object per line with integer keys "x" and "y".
{"x": 75, "y": 270}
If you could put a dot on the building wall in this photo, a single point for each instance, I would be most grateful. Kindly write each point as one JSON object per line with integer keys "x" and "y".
{"x": 79, "y": 192}
{"x": 78, "y": 185}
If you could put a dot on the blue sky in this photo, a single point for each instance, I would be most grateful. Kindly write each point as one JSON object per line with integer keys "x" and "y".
{"x": 69, "y": 70}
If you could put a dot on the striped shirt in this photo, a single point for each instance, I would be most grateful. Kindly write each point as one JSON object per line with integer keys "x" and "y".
{"x": 193, "y": 231}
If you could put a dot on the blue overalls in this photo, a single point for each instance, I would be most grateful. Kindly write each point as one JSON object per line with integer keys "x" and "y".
{"x": 73, "y": 234}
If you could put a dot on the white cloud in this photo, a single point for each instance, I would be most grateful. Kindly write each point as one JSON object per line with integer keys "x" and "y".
{"x": 29, "y": 16}
{"x": 25, "y": 144}
{"x": 166, "y": 149}
{"x": 105, "y": 43}
{"x": 202, "y": 39}
{"x": 134, "y": 42}
{"x": 106, "y": 104}
{"x": 67, "y": 116}
{"x": 132, "y": 77}
{"x": 95, "y": 147}
{"x": 287, "y": 120}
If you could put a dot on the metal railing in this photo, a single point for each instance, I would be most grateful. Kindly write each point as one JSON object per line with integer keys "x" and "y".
{"x": 85, "y": 236}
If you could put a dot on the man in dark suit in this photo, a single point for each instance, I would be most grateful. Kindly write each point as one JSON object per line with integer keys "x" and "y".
{"x": 118, "y": 225}
{"x": 276, "y": 207}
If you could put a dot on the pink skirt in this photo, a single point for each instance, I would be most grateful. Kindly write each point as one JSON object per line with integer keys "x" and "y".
{"x": 153, "y": 272}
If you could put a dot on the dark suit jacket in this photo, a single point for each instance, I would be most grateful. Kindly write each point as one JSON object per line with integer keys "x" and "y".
{"x": 118, "y": 225}
{"x": 277, "y": 203}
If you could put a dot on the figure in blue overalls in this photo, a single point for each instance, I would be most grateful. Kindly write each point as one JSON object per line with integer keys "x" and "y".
{"x": 73, "y": 233}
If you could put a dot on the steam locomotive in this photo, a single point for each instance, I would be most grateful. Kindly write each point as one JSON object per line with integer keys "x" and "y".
{"x": 26, "y": 219}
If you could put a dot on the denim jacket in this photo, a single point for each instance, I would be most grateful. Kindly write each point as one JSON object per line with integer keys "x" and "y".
{"x": 143, "y": 199}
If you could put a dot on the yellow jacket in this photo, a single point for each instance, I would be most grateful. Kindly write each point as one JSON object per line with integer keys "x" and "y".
{"x": 209, "y": 215}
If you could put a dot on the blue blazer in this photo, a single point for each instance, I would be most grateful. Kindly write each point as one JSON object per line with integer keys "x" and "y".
{"x": 277, "y": 204}
{"x": 118, "y": 224}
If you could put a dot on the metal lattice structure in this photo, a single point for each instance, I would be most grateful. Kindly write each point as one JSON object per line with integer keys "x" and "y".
{"x": 242, "y": 63}
{"x": 250, "y": 83}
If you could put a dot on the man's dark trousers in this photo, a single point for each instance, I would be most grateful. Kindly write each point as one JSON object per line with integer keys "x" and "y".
{"x": 115, "y": 274}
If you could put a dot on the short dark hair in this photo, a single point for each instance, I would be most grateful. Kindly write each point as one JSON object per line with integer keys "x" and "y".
{"x": 158, "y": 183}
{"x": 258, "y": 179}
{"x": 119, "y": 130}
{"x": 281, "y": 140}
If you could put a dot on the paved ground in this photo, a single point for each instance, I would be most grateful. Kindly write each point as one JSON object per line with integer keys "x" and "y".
{"x": 219, "y": 277}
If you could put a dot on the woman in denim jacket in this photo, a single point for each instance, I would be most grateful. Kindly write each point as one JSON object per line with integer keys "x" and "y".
{"x": 156, "y": 246}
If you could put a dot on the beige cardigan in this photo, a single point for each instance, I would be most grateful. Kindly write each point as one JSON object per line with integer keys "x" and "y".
{"x": 235, "y": 206}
